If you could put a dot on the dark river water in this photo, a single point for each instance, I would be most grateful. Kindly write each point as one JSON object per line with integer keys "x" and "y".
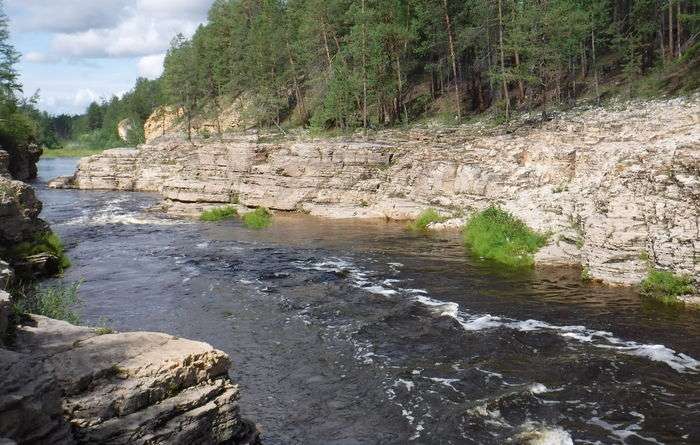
{"x": 356, "y": 332}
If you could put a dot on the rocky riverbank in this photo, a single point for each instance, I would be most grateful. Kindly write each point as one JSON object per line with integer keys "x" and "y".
{"x": 67, "y": 384}
{"x": 618, "y": 188}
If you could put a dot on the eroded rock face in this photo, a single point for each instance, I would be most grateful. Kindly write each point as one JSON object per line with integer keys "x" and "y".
{"x": 617, "y": 189}
{"x": 168, "y": 121}
{"x": 19, "y": 208}
{"x": 21, "y": 162}
{"x": 128, "y": 388}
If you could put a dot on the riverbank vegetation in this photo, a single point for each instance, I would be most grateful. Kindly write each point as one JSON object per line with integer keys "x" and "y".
{"x": 47, "y": 242}
{"x": 497, "y": 235}
{"x": 665, "y": 286}
{"x": 258, "y": 219}
{"x": 427, "y": 217}
{"x": 218, "y": 214}
{"x": 57, "y": 301}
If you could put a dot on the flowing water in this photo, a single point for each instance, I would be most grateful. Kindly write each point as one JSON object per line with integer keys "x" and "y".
{"x": 356, "y": 332}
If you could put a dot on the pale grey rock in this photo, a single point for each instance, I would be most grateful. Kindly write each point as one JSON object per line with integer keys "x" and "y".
{"x": 623, "y": 183}
{"x": 30, "y": 401}
{"x": 138, "y": 387}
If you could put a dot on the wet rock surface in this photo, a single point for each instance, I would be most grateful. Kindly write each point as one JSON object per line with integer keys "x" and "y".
{"x": 616, "y": 188}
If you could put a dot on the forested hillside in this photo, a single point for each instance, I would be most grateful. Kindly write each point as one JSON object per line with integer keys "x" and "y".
{"x": 372, "y": 63}
{"x": 349, "y": 63}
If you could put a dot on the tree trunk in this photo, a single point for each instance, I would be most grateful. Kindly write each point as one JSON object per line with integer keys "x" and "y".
{"x": 454, "y": 61}
{"x": 679, "y": 29}
{"x": 506, "y": 96}
{"x": 595, "y": 67}
{"x": 670, "y": 29}
{"x": 325, "y": 44}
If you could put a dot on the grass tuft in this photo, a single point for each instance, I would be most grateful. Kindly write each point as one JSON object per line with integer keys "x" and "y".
{"x": 218, "y": 214}
{"x": 426, "y": 218}
{"x": 666, "y": 286}
{"x": 47, "y": 242}
{"x": 56, "y": 302}
{"x": 258, "y": 219}
{"x": 497, "y": 235}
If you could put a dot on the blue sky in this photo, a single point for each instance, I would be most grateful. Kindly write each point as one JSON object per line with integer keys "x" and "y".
{"x": 77, "y": 51}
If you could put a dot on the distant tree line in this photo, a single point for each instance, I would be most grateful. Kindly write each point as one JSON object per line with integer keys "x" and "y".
{"x": 97, "y": 127}
{"x": 354, "y": 63}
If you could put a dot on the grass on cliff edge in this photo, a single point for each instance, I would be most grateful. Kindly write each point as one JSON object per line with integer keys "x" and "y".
{"x": 218, "y": 214}
{"x": 56, "y": 302}
{"x": 497, "y": 235}
{"x": 426, "y": 218}
{"x": 666, "y": 286}
{"x": 258, "y": 219}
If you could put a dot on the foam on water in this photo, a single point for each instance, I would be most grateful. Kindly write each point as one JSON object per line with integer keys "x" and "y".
{"x": 479, "y": 322}
{"x": 538, "y": 434}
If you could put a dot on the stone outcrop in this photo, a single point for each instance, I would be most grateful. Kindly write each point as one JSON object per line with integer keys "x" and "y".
{"x": 20, "y": 162}
{"x": 167, "y": 120}
{"x": 117, "y": 388}
{"x": 124, "y": 128}
{"x": 616, "y": 188}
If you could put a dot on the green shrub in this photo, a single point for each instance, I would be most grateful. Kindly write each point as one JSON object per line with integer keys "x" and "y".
{"x": 497, "y": 235}
{"x": 258, "y": 219}
{"x": 666, "y": 286}
{"x": 53, "y": 302}
{"x": 47, "y": 242}
{"x": 427, "y": 217}
{"x": 218, "y": 214}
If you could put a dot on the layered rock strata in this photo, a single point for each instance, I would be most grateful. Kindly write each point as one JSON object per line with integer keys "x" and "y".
{"x": 117, "y": 388}
{"x": 617, "y": 189}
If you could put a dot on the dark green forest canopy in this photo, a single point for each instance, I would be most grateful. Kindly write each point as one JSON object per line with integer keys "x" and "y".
{"x": 373, "y": 63}
{"x": 349, "y": 63}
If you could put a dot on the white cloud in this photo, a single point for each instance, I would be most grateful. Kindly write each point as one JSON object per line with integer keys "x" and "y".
{"x": 77, "y": 36}
{"x": 108, "y": 28}
{"x": 66, "y": 15}
{"x": 37, "y": 57}
{"x": 151, "y": 67}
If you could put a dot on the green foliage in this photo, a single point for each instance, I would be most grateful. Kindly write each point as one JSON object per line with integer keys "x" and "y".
{"x": 218, "y": 214}
{"x": 43, "y": 243}
{"x": 666, "y": 286}
{"x": 497, "y": 235}
{"x": 586, "y": 274}
{"x": 258, "y": 219}
{"x": 426, "y": 217}
{"x": 97, "y": 128}
{"x": 56, "y": 302}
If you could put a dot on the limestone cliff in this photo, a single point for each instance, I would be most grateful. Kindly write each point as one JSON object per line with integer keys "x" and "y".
{"x": 168, "y": 121}
{"x": 615, "y": 187}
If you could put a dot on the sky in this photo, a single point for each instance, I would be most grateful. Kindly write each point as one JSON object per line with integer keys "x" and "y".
{"x": 77, "y": 51}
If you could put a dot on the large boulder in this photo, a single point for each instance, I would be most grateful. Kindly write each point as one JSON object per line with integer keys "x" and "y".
{"x": 138, "y": 387}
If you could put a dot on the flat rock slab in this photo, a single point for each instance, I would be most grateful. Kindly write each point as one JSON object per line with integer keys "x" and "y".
{"x": 138, "y": 387}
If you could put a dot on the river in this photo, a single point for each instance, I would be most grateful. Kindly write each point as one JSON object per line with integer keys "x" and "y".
{"x": 361, "y": 332}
